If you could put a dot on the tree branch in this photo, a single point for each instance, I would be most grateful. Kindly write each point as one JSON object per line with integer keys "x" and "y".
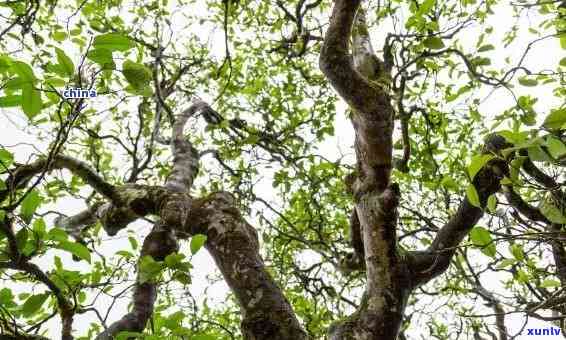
{"x": 428, "y": 264}
{"x": 20, "y": 176}
{"x": 372, "y": 113}
{"x": 234, "y": 246}
{"x": 185, "y": 156}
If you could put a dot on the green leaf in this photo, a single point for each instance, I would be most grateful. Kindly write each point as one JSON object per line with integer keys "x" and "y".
{"x": 537, "y": 154}
{"x": 492, "y": 203}
{"x": 30, "y": 204}
{"x": 133, "y": 243}
{"x": 556, "y": 148}
{"x": 449, "y": 183}
{"x": 76, "y": 249}
{"x": 59, "y": 36}
{"x": 514, "y": 169}
{"x": 22, "y": 238}
{"x": 522, "y": 276}
{"x": 482, "y": 238}
{"x": 548, "y": 283}
{"x": 10, "y": 101}
{"x": 6, "y": 297}
{"x": 480, "y": 61}
{"x": 33, "y": 304}
{"x": 555, "y": 120}
{"x": 149, "y": 269}
{"x": 55, "y": 82}
{"x": 172, "y": 260}
{"x": 434, "y": 43}
{"x": 103, "y": 57}
{"x": 526, "y": 81}
{"x": 197, "y": 241}
{"x": 182, "y": 277}
{"x": 425, "y": 7}
{"x": 563, "y": 62}
{"x": 24, "y": 71}
{"x": 65, "y": 62}
{"x": 113, "y": 42}
{"x": 486, "y": 48}
{"x": 138, "y": 75}
{"x": 472, "y": 195}
{"x": 551, "y": 212}
{"x": 31, "y": 100}
{"x": 15, "y": 83}
{"x": 478, "y": 162}
{"x": 6, "y": 159}
{"x": 57, "y": 234}
{"x": 517, "y": 252}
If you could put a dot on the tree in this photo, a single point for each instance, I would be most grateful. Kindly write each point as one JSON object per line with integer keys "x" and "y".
{"x": 451, "y": 200}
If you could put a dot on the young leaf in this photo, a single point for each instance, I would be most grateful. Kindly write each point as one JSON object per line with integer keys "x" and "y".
{"x": 492, "y": 203}
{"x": 550, "y": 211}
{"x": 24, "y": 71}
{"x": 76, "y": 249}
{"x": 425, "y": 7}
{"x": 6, "y": 159}
{"x": 472, "y": 195}
{"x": 33, "y": 304}
{"x": 478, "y": 162}
{"x": 434, "y": 43}
{"x": 10, "y": 101}
{"x": 22, "y": 238}
{"x": 517, "y": 252}
{"x": 197, "y": 241}
{"x": 31, "y": 100}
{"x": 449, "y": 183}
{"x": 526, "y": 81}
{"x": 30, "y": 204}
{"x": 149, "y": 269}
{"x": 537, "y": 154}
{"x": 555, "y": 119}
{"x": 65, "y": 62}
{"x": 550, "y": 283}
{"x": 138, "y": 75}
{"x": 486, "y": 48}
{"x": 57, "y": 234}
{"x": 556, "y": 148}
{"x": 6, "y": 297}
{"x": 482, "y": 238}
{"x": 103, "y": 57}
{"x": 113, "y": 42}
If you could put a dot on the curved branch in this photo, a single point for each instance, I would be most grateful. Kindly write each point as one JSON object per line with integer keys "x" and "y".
{"x": 517, "y": 202}
{"x": 432, "y": 262}
{"x": 372, "y": 113}
{"x": 234, "y": 246}
{"x": 20, "y": 176}
{"x": 185, "y": 156}
{"x": 66, "y": 309}
{"x": 336, "y": 63}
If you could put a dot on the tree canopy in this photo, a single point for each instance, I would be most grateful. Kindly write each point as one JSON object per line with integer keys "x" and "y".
{"x": 380, "y": 169}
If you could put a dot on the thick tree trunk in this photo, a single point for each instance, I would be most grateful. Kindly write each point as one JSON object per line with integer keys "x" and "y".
{"x": 357, "y": 79}
{"x": 234, "y": 245}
